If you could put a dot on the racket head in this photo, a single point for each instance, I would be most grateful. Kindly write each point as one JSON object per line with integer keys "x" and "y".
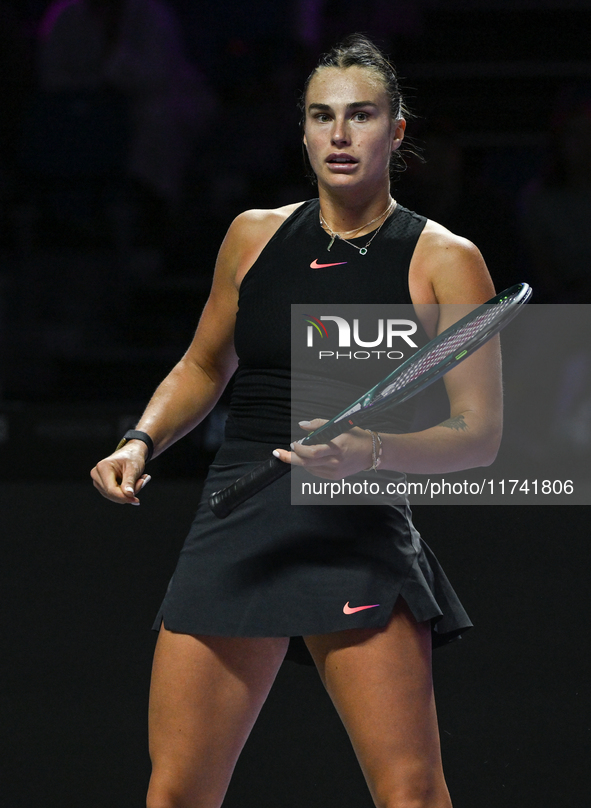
{"x": 429, "y": 363}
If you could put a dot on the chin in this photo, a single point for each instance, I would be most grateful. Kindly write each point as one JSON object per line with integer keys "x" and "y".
{"x": 341, "y": 181}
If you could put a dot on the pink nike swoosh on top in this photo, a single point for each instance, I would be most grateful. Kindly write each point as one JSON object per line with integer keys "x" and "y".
{"x": 352, "y": 609}
{"x": 316, "y": 265}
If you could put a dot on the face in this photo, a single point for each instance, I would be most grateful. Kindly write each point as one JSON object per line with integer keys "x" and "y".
{"x": 349, "y": 132}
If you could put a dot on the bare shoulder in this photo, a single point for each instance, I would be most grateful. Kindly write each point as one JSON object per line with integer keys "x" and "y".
{"x": 213, "y": 345}
{"x": 248, "y": 235}
{"x": 447, "y": 268}
{"x": 266, "y": 216}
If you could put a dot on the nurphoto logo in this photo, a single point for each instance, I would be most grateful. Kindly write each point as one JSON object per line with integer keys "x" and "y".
{"x": 385, "y": 332}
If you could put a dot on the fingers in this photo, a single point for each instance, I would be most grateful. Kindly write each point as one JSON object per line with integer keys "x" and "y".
{"x": 305, "y": 455}
{"x": 346, "y": 454}
{"x": 311, "y": 425}
{"x": 131, "y": 489}
{"x": 120, "y": 478}
{"x": 309, "y": 456}
{"x": 309, "y": 463}
{"x": 283, "y": 455}
{"x": 142, "y": 482}
{"x": 294, "y": 459}
{"x": 314, "y": 453}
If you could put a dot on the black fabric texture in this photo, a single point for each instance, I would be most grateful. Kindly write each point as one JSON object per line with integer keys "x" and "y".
{"x": 276, "y": 569}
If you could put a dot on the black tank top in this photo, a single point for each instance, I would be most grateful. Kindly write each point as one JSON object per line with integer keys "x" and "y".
{"x": 296, "y": 267}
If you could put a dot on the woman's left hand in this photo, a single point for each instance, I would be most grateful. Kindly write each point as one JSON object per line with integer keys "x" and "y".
{"x": 344, "y": 455}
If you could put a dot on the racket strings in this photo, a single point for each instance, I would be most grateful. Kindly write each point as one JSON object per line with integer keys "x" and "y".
{"x": 448, "y": 346}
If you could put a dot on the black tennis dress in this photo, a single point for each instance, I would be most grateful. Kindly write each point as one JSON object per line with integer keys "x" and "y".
{"x": 276, "y": 569}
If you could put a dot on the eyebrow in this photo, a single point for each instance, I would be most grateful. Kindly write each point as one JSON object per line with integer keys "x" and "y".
{"x": 352, "y": 105}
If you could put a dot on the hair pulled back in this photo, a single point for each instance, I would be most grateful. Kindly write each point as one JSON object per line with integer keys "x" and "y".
{"x": 357, "y": 50}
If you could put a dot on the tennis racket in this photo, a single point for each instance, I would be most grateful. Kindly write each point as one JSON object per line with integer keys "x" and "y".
{"x": 424, "y": 367}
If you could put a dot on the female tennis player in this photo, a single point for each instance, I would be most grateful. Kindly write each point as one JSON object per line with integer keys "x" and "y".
{"x": 357, "y": 583}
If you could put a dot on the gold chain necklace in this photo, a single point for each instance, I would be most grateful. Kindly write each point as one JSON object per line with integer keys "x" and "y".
{"x": 362, "y": 250}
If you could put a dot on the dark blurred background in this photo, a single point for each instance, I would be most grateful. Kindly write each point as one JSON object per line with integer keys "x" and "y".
{"x": 131, "y": 133}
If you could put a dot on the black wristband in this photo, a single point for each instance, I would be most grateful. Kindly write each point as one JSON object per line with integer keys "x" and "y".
{"x": 135, "y": 434}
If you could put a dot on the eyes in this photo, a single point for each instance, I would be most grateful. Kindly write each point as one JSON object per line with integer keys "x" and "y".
{"x": 359, "y": 117}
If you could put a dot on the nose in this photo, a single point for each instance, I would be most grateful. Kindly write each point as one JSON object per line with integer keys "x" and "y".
{"x": 340, "y": 133}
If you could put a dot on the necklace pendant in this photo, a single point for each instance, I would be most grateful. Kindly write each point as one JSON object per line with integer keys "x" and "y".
{"x": 362, "y": 251}
{"x": 331, "y": 243}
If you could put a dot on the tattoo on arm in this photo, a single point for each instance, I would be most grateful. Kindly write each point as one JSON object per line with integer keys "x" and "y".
{"x": 456, "y": 423}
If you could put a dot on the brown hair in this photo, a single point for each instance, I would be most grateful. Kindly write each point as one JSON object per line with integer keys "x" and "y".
{"x": 357, "y": 50}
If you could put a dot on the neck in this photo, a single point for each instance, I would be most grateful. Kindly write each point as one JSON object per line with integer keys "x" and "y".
{"x": 347, "y": 213}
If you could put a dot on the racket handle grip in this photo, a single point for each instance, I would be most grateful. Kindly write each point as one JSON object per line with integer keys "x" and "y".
{"x": 223, "y": 502}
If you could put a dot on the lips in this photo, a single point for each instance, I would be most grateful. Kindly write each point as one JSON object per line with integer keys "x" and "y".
{"x": 338, "y": 159}
{"x": 341, "y": 163}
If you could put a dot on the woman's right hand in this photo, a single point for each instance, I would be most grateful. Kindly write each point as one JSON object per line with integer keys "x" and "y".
{"x": 120, "y": 477}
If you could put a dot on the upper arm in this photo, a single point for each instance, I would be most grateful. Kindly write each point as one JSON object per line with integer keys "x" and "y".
{"x": 450, "y": 278}
{"x": 446, "y": 270}
{"x": 212, "y": 347}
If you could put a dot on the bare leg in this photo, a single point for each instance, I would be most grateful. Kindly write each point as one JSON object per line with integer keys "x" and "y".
{"x": 205, "y": 696}
{"x": 380, "y": 683}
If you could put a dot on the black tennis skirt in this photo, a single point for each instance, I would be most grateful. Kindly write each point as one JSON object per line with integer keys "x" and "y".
{"x": 272, "y": 569}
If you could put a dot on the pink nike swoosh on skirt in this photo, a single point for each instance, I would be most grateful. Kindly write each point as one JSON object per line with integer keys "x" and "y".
{"x": 316, "y": 265}
{"x": 352, "y": 609}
